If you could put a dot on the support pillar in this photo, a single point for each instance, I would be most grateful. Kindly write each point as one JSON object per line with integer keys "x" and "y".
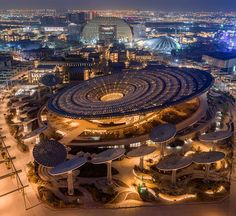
{"x": 162, "y": 150}
{"x": 214, "y": 146}
{"x": 141, "y": 162}
{"x": 39, "y": 95}
{"x": 17, "y": 114}
{"x": 109, "y": 173}
{"x": 37, "y": 139}
{"x": 173, "y": 177}
{"x": 70, "y": 183}
{"x": 25, "y": 128}
{"x": 207, "y": 171}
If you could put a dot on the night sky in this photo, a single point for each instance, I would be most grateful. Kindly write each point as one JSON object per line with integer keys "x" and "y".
{"x": 171, "y": 5}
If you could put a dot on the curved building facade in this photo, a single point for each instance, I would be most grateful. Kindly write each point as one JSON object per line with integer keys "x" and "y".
{"x": 126, "y": 106}
{"x": 106, "y": 29}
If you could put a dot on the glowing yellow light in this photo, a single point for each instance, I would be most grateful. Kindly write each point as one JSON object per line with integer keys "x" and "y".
{"x": 176, "y": 198}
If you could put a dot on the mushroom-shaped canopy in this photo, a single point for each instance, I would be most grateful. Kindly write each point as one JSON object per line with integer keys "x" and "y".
{"x": 67, "y": 166}
{"x": 208, "y": 157}
{"x": 174, "y": 162}
{"x": 163, "y": 133}
{"x": 35, "y": 133}
{"x": 141, "y": 151}
{"x": 49, "y": 153}
{"x": 215, "y": 136}
{"x": 108, "y": 155}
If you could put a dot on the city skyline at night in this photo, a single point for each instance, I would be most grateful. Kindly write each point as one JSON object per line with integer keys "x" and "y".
{"x": 166, "y": 5}
{"x": 117, "y": 108}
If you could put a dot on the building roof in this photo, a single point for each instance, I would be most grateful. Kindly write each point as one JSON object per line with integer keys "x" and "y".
{"x": 174, "y": 162}
{"x": 163, "y": 133}
{"x": 50, "y": 80}
{"x": 108, "y": 155}
{"x": 49, "y": 153}
{"x": 215, "y": 136}
{"x": 45, "y": 67}
{"x": 208, "y": 157}
{"x": 163, "y": 44}
{"x": 140, "y": 92}
{"x": 141, "y": 151}
{"x": 222, "y": 55}
{"x": 90, "y": 33}
{"x": 67, "y": 166}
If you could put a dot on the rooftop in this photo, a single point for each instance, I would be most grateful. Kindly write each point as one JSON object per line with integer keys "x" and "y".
{"x": 163, "y": 133}
{"x": 67, "y": 166}
{"x": 142, "y": 92}
{"x": 222, "y": 55}
{"x": 49, "y": 153}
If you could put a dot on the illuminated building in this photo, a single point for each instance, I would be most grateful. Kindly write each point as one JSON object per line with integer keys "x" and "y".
{"x": 95, "y": 116}
{"x": 106, "y": 29}
{"x": 163, "y": 44}
{"x": 224, "y": 61}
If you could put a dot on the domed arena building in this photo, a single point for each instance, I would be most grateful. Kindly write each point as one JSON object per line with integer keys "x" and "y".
{"x": 122, "y": 109}
{"x": 163, "y": 44}
{"x": 107, "y": 29}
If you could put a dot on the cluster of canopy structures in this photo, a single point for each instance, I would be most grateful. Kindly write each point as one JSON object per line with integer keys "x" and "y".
{"x": 52, "y": 154}
{"x": 174, "y": 162}
{"x": 130, "y": 93}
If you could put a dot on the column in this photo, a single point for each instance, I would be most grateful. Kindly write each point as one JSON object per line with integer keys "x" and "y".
{"x": 162, "y": 150}
{"x": 70, "y": 183}
{"x": 25, "y": 128}
{"x": 173, "y": 177}
{"x": 109, "y": 173}
{"x": 141, "y": 162}
{"x": 38, "y": 92}
{"x": 207, "y": 171}
{"x": 37, "y": 140}
{"x": 17, "y": 113}
{"x": 214, "y": 145}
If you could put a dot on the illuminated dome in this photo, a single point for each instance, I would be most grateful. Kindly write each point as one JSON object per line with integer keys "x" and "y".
{"x": 163, "y": 44}
{"x": 106, "y": 29}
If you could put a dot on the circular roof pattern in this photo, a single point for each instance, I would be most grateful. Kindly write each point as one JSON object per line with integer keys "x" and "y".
{"x": 208, "y": 157}
{"x": 108, "y": 155}
{"x": 163, "y": 133}
{"x": 162, "y": 44}
{"x": 49, "y": 153}
{"x": 67, "y": 166}
{"x": 50, "y": 80}
{"x": 215, "y": 136}
{"x": 142, "y": 92}
{"x": 141, "y": 151}
{"x": 174, "y": 162}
